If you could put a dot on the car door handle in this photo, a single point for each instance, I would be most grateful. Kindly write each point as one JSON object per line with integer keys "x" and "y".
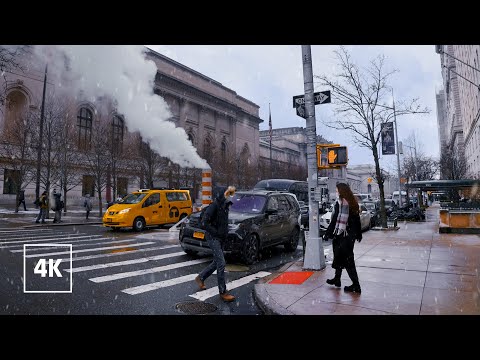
{"x": 160, "y": 207}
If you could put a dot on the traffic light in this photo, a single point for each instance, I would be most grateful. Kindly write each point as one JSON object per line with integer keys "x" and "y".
{"x": 337, "y": 155}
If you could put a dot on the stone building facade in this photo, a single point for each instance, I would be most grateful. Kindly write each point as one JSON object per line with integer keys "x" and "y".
{"x": 222, "y": 125}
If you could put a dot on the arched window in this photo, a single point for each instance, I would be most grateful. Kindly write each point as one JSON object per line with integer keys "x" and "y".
{"x": 117, "y": 133}
{"x": 244, "y": 155}
{"x": 16, "y": 111}
{"x": 84, "y": 123}
{"x": 369, "y": 188}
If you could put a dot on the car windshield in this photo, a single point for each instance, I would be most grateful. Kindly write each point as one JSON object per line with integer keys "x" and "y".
{"x": 247, "y": 203}
{"x": 133, "y": 198}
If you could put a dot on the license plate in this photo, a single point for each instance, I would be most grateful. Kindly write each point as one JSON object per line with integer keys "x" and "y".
{"x": 109, "y": 219}
{"x": 199, "y": 235}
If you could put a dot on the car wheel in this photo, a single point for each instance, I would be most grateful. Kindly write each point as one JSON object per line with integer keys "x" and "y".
{"x": 138, "y": 224}
{"x": 251, "y": 250}
{"x": 292, "y": 243}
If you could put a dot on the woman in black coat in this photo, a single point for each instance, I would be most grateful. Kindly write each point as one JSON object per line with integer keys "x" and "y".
{"x": 345, "y": 228}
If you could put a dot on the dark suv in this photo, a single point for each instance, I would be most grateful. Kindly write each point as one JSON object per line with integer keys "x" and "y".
{"x": 257, "y": 219}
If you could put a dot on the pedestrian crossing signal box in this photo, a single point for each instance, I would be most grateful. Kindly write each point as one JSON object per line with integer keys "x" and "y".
{"x": 337, "y": 155}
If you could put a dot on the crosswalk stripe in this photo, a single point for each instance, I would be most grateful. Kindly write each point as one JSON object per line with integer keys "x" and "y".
{"x": 87, "y": 250}
{"x": 123, "y": 275}
{"x": 75, "y": 243}
{"x": 126, "y": 262}
{"x": 205, "y": 294}
{"x": 22, "y": 231}
{"x": 9, "y": 244}
{"x": 43, "y": 237}
{"x": 159, "y": 284}
{"x": 88, "y": 257}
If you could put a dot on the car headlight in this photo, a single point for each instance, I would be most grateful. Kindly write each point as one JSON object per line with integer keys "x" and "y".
{"x": 124, "y": 211}
{"x": 234, "y": 227}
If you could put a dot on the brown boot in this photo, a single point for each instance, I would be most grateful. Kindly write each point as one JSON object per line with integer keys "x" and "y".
{"x": 227, "y": 297}
{"x": 200, "y": 283}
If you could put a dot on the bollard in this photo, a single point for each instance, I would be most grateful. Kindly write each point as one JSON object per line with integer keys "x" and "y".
{"x": 395, "y": 222}
{"x": 206, "y": 187}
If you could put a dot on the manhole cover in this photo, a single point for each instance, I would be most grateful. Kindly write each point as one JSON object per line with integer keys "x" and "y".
{"x": 234, "y": 267}
{"x": 195, "y": 307}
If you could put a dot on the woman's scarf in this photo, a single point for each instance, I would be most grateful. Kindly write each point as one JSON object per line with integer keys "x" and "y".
{"x": 342, "y": 218}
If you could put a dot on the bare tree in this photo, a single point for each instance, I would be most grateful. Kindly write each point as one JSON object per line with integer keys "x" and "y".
{"x": 360, "y": 95}
{"x": 150, "y": 164}
{"x": 68, "y": 160}
{"x": 453, "y": 165}
{"x": 97, "y": 159}
{"x": 18, "y": 152}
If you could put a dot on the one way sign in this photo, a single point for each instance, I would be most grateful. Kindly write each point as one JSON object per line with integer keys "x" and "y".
{"x": 321, "y": 97}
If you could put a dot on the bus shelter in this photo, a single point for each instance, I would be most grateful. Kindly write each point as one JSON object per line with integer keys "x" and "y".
{"x": 459, "y": 203}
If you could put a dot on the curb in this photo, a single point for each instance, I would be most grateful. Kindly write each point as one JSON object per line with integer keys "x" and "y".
{"x": 266, "y": 303}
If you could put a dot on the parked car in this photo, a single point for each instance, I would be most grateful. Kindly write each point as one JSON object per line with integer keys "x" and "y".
{"x": 365, "y": 218}
{"x": 257, "y": 219}
{"x": 373, "y": 209}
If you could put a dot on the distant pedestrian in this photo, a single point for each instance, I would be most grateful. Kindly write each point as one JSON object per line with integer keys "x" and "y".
{"x": 43, "y": 203}
{"x": 215, "y": 222}
{"x": 21, "y": 199}
{"x": 57, "y": 206}
{"x": 87, "y": 204}
{"x": 345, "y": 228}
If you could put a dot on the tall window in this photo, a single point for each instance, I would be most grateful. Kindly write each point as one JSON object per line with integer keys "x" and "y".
{"x": 117, "y": 134}
{"x": 84, "y": 123}
{"x": 10, "y": 181}
{"x": 192, "y": 140}
{"x": 88, "y": 185}
{"x": 207, "y": 150}
{"x": 16, "y": 110}
{"x": 223, "y": 152}
{"x": 122, "y": 186}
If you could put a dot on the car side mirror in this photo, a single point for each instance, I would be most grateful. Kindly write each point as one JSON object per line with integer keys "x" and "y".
{"x": 271, "y": 211}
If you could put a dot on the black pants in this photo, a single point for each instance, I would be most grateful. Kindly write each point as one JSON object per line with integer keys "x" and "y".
{"x": 24, "y": 205}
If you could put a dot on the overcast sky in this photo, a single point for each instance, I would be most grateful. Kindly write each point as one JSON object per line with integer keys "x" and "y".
{"x": 274, "y": 74}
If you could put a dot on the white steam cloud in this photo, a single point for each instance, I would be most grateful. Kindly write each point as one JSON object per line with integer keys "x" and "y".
{"x": 123, "y": 73}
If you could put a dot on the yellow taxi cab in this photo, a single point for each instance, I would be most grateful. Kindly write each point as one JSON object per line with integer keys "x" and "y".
{"x": 149, "y": 207}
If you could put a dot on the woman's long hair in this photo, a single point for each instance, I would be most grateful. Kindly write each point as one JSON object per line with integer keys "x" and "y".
{"x": 345, "y": 193}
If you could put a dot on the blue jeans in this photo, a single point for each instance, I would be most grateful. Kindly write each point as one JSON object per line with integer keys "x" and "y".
{"x": 42, "y": 214}
{"x": 218, "y": 263}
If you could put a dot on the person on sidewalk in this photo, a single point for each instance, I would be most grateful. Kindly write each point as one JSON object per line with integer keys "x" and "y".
{"x": 215, "y": 223}
{"x": 87, "y": 204}
{"x": 57, "y": 206}
{"x": 344, "y": 228}
{"x": 43, "y": 203}
{"x": 21, "y": 199}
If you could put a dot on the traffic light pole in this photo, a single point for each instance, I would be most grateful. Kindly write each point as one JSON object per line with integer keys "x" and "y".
{"x": 314, "y": 255}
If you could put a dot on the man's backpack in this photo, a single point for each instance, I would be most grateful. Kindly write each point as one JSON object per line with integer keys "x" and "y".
{"x": 202, "y": 218}
{"x": 36, "y": 202}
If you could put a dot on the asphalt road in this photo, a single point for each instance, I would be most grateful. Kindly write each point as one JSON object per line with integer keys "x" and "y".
{"x": 118, "y": 273}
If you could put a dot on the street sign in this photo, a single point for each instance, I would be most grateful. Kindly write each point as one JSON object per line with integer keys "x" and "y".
{"x": 301, "y": 111}
{"x": 321, "y": 97}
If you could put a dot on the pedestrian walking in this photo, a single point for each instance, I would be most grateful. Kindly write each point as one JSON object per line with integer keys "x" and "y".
{"x": 344, "y": 229}
{"x": 87, "y": 204}
{"x": 215, "y": 223}
{"x": 43, "y": 203}
{"x": 21, "y": 199}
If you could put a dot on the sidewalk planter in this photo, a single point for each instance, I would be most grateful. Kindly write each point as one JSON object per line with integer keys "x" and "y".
{"x": 459, "y": 221}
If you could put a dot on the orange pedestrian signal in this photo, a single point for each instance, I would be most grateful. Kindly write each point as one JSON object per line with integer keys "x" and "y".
{"x": 337, "y": 155}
